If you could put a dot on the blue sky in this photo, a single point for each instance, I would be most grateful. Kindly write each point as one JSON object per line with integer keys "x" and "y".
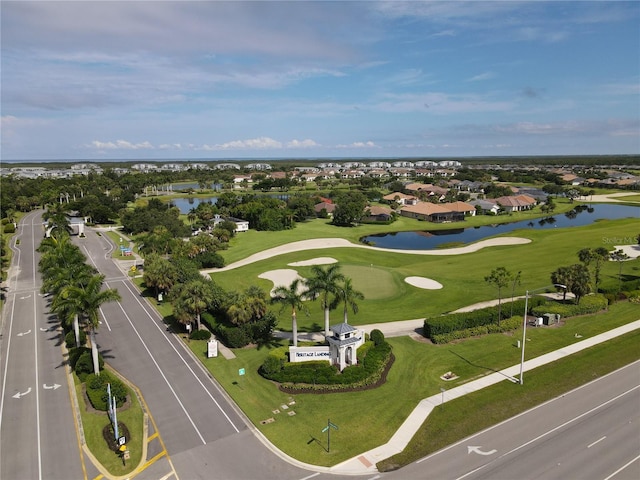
{"x": 186, "y": 80}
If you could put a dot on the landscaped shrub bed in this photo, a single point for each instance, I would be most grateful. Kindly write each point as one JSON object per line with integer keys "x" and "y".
{"x": 484, "y": 317}
{"x": 319, "y": 376}
{"x": 588, "y": 304}
{"x": 70, "y": 338}
{"x": 97, "y": 390}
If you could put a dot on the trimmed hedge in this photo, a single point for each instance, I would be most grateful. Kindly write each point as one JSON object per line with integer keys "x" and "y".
{"x": 589, "y": 304}
{"x": 505, "y": 326}
{"x": 321, "y": 376}
{"x": 81, "y": 362}
{"x": 454, "y": 322}
{"x": 200, "y": 335}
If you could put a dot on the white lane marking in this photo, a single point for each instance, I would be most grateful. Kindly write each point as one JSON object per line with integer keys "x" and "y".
{"x": 22, "y": 334}
{"x": 55, "y": 386}
{"x": 477, "y": 449}
{"x": 597, "y": 441}
{"x": 163, "y": 375}
{"x": 19, "y": 395}
{"x": 135, "y": 295}
{"x": 35, "y": 350}
{"x": 552, "y": 430}
{"x": 622, "y": 468}
{"x": 310, "y": 476}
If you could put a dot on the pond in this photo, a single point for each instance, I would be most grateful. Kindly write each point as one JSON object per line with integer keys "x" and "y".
{"x": 430, "y": 239}
{"x": 186, "y": 204}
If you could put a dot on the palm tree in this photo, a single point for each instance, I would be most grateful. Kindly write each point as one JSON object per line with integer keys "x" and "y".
{"x": 59, "y": 278}
{"x": 192, "y": 299}
{"x": 87, "y": 300}
{"x": 289, "y": 296}
{"x": 347, "y": 295}
{"x": 323, "y": 284}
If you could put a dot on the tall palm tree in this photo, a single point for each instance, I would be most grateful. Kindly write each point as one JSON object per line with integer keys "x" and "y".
{"x": 87, "y": 300}
{"x": 289, "y": 297}
{"x": 347, "y": 295}
{"x": 323, "y": 284}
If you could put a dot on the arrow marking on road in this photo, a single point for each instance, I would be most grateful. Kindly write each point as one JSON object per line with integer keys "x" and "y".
{"x": 476, "y": 449}
{"x": 23, "y": 298}
{"x": 24, "y": 333}
{"x": 55, "y": 386}
{"x": 20, "y": 395}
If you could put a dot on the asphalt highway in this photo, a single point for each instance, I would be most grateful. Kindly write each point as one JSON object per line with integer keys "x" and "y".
{"x": 592, "y": 432}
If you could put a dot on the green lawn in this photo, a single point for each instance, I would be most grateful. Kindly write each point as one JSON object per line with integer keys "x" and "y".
{"x": 380, "y": 275}
{"x": 368, "y": 419}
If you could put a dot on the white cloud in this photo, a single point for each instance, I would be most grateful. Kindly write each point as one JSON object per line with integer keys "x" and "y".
{"x": 120, "y": 145}
{"x": 368, "y": 144}
{"x": 253, "y": 144}
{"x": 482, "y": 76}
{"x": 307, "y": 143}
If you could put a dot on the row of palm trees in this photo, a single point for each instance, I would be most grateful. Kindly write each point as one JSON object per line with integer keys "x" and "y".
{"x": 76, "y": 288}
{"x": 327, "y": 284}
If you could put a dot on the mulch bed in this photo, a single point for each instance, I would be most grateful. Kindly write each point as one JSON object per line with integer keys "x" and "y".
{"x": 107, "y": 434}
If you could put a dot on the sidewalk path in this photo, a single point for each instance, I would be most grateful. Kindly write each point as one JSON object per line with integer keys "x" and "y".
{"x": 366, "y": 462}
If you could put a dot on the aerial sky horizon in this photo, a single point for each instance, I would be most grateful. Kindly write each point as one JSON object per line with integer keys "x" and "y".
{"x": 108, "y": 80}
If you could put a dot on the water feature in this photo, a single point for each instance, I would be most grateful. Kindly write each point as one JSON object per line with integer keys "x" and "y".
{"x": 186, "y": 204}
{"x": 430, "y": 239}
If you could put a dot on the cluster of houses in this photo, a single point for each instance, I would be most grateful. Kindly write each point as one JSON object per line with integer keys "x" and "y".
{"x": 400, "y": 169}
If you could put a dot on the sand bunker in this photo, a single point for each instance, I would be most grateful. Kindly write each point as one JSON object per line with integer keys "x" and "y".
{"x": 633, "y": 251}
{"x": 422, "y": 282}
{"x": 314, "y": 261}
{"x": 284, "y": 278}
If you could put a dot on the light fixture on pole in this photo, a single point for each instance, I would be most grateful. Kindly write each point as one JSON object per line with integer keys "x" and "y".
{"x": 524, "y": 327}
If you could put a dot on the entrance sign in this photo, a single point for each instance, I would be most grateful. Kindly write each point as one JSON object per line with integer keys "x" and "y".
{"x": 306, "y": 354}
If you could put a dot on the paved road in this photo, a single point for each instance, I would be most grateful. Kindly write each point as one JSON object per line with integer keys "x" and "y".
{"x": 37, "y": 435}
{"x": 592, "y": 432}
{"x": 204, "y": 435}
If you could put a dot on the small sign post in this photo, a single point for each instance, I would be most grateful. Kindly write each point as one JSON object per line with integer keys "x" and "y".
{"x": 328, "y": 430}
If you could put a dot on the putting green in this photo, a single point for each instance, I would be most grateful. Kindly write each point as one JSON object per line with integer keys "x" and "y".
{"x": 374, "y": 283}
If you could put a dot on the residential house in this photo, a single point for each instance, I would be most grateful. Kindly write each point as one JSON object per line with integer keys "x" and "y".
{"x": 401, "y": 198}
{"x": 516, "y": 203}
{"x": 377, "y": 214}
{"x": 487, "y": 207}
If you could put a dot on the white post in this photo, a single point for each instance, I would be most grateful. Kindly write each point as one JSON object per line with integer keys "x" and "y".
{"x": 524, "y": 335}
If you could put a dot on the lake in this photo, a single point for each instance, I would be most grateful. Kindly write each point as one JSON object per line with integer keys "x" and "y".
{"x": 430, "y": 239}
{"x": 186, "y": 204}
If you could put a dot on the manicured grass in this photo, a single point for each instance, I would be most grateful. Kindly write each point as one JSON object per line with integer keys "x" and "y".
{"x": 368, "y": 419}
{"x": 479, "y": 410}
{"x": 462, "y": 276}
{"x": 93, "y": 423}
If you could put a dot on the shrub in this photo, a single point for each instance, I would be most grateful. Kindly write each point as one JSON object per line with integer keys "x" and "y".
{"x": 84, "y": 363}
{"x": 588, "y": 304}
{"x": 70, "y": 339}
{"x": 9, "y": 228}
{"x": 377, "y": 337}
{"x": 200, "y": 335}
{"x": 96, "y": 387}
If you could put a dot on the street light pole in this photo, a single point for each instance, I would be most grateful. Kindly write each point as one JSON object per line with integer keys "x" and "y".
{"x": 524, "y": 327}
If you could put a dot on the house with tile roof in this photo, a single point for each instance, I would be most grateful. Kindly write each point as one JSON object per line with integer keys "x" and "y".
{"x": 516, "y": 203}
